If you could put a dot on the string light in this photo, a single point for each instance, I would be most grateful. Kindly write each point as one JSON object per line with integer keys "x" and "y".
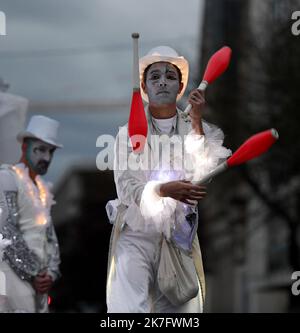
{"x": 39, "y": 195}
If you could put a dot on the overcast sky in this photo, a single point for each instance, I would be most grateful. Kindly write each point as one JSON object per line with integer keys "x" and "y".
{"x": 74, "y": 50}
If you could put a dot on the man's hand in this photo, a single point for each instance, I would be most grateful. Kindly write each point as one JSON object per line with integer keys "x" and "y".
{"x": 183, "y": 191}
{"x": 42, "y": 283}
{"x": 197, "y": 100}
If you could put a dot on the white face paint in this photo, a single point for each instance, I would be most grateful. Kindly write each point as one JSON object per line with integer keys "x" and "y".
{"x": 39, "y": 155}
{"x": 162, "y": 83}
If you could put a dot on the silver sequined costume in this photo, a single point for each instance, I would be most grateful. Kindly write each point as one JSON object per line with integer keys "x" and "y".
{"x": 34, "y": 245}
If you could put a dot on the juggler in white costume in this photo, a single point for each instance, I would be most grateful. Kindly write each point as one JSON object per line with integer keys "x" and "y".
{"x": 141, "y": 217}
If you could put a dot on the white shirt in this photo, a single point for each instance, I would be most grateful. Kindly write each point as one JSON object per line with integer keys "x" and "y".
{"x": 165, "y": 125}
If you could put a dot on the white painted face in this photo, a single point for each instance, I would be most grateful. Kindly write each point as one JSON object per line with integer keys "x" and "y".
{"x": 39, "y": 155}
{"x": 162, "y": 83}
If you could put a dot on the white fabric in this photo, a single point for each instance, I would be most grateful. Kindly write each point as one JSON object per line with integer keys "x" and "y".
{"x": 3, "y": 243}
{"x": 42, "y": 128}
{"x": 165, "y": 125}
{"x": 112, "y": 209}
{"x": 2, "y": 284}
{"x": 20, "y": 294}
{"x": 152, "y": 205}
{"x": 204, "y": 152}
{"x": 21, "y": 297}
{"x": 133, "y": 288}
{"x": 138, "y": 188}
{"x": 33, "y": 231}
{"x": 131, "y": 285}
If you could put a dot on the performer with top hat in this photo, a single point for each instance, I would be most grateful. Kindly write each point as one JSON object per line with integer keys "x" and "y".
{"x": 31, "y": 258}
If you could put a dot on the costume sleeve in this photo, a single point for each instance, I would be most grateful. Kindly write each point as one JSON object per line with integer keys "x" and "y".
{"x": 20, "y": 258}
{"x": 129, "y": 183}
{"x": 203, "y": 153}
{"x": 53, "y": 253}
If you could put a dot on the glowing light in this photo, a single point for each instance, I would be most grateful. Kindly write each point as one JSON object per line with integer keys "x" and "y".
{"x": 39, "y": 194}
{"x": 41, "y": 219}
{"x": 19, "y": 172}
{"x": 165, "y": 175}
{"x": 43, "y": 192}
{"x": 158, "y": 211}
{"x": 49, "y": 300}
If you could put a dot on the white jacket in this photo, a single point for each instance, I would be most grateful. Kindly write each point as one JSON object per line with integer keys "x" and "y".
{"x": 26, "y": 222}
{"x": 139, "y": 204}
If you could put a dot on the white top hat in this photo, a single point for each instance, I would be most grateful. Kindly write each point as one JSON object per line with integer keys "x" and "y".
{"x": 164, "y": 54}
{"x": 42, "y": 128}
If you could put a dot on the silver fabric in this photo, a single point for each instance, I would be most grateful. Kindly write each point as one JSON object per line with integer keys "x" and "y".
{"x": 22, "y": 260}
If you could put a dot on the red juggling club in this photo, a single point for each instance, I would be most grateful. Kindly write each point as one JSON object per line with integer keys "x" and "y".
{"x": 137, "y": 124}
{"x": 255, "y": 146}
{"x": 215, "y": 67}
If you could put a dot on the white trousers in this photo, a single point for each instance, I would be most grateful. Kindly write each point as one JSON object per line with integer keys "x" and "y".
{"x": 132, "y": 287}
{"x": 20, "y": 295}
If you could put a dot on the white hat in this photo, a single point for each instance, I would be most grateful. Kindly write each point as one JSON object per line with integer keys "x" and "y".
{"x": 42, "y": 128}
{"x": 164, "y": 54}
